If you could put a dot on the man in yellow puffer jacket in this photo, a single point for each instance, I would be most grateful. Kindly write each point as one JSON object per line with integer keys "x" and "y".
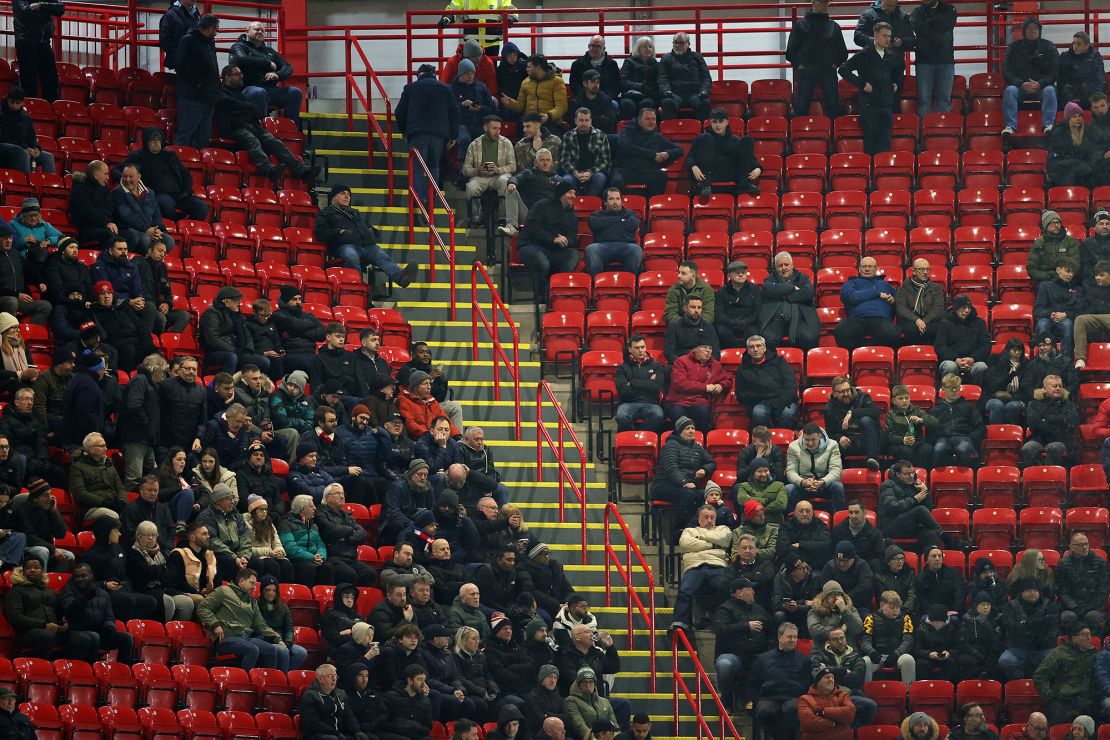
{"x": 543, "y": 92}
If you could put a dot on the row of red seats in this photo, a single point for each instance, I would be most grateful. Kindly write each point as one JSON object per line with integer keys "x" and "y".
{"x": 83, "y": 722}
{"x": 939, "y": 699}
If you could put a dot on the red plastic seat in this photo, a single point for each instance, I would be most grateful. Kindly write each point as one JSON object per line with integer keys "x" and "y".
{"x": 998, "y": 486}
{"x": 195, "y": 686}
{"x": 952, "y": 486}
{"x": 850, "y": 171}
{"x": 562, "y": 333}
{"x": 1087, "y": 485}
{"x": 935, "y": 698}
{"x": 994, "y": 528}
{"x": 1021, "y": 699}
{"x": 1044, "y": 485}
{"x": 597, "y": 371}
{"x": 1041, "y": 527}
{"x": 953, "y": 520}
{"x": 891, "y": 698}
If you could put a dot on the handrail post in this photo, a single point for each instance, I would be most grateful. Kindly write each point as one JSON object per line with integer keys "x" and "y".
{"x": 348, "y": 80}
{"x": 496, "y": 355}
{"x": 474, "y": 311}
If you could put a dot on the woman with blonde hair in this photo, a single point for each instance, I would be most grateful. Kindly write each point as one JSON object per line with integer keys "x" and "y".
{"x": 15, "y": 358}
{"x": 1074, "y": 154}
{"x": 639, "y": 88}
{"x": 1031, "y": 564}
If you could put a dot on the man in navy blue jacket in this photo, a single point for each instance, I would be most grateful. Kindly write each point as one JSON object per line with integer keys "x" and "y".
{"x": 428, "y": 116}
{"x": 869, "y": 303}
{"x": 777, "y": 678}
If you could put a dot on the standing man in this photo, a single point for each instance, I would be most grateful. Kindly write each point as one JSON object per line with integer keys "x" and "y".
{"x": 877, "y": 70}
{"x": 614, "y": 229}
{"x": 816, "y": 49}
{"x": 351, "y": 238}
{"x": 1030, "y": 70}
{"x": 428, "y": 116}
{"x": 935, "y": 61}
{"x": 181, "y": 17}
{"x": 263, "y": 68}
{"x": 34, "y": 28}
{"x": 198, "y": 83}
{"x": 684, "y": 80}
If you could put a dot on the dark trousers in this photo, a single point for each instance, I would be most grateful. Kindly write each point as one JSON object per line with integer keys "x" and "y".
{"x": 700, "y": 415}
{"x": 921, "y": 454}
{"x": 777, "y": 717}
{"x": 861, "y": 331}
{"x": 632, "y": 102}
{"x": 36, "y": 65}
{"x": 910, "y": 334}
{"x": 308, "y": 573}
{"x": 866, "y": 442}
{"x": 655, "y": 180}
{"x": 194, "y": 123}
{"x": 347, "y": 570}
{"x": 917, "y": 522}
{"x": 260, "y": 145}
{"x": 127, "y": 605}
{"x": 190, "y": 205}
{"x": 673, "y": 103}
{"x": 877, "y": 123}
{"x": 229, "y": 362}
{"x": 75, "y": 645}
{"x": 545, "y": 261}
{"x": 777, "y": 330}
{"x": 806, "y": 81}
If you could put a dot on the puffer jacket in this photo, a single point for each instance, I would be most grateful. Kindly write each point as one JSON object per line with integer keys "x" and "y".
{"x": 341, "y": 532}
{"x": 689, "y": 378}
{"x": 300, "y": 539}
{"x": 683, "y": 75}
{"x": 227, "y": 532}
{"x": 771, "y": 494}
{"x": 29, "y": 606}
{"x": 814, "y": 543}
{"x": 959, "y": 418}
{"x": 368, "y": 449}
{"x": 980, "y": 638}
{"x": 704, "y": 547}
{"x": 685, "y": 334}
{"x": 640, "y": 77}
{"x": 823, "y": 463}
{"x": 731, "y": 630}
{"x": 474, "y": 673}
{"x": 884, "y": 636}
{"x": 963, "y": 337}
{"x": 302, "y": 480}
{"x": 771, "y": 382}
{"x": 901, "y": 26}
{"x": 864, "y": 297}
{"x": 584, "y": 709}
{"x": 680, "y": 459}
{"x": 547, "y": 95}
{"x": 826, "y": 716}
{"x": 1051, "y": 419}
{"x": 288, "y": 412}
{"x": 438, "y": 457}
{"x": 95, "y": 484}
{"x": 1081, "y": 583}
{"x": 141, "y": 418}
{"x": 1031, "y": 60}
{"x": 255, "y": 59}
{"x": 300, "y": 330}
{"x": 1065, "y": 675}
{"x": 16, "y": 127}
{"x": 340, "y": 618}
{"x": 641, "y": 382}
{"x": 1041, "y": 263}
{"x": 184, "y": 412}
{"x": 419, "y": 413}
{"x": 934, "y": 730}
{"x": 903, "y": 583}
{"x": 64, "y": 276}
{"x": 1030, "y": 627}
{"x": 816, "y": 41}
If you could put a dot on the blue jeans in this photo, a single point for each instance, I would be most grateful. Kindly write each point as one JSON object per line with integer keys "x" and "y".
{"x": 599, "y": 254}
{"x": 544, "y": 262}
{"x": 230, "y": 361}
{"x": 194, "y": 123}
{"x": 288, "y": 97}
{"x": 765, "y": 415}
{"x": 1004, "y": 412}
{"x": 693, "y": 580}
{"x": 431, "y": 149}
{"x": 594, "y": 186}
{"x": 1060, "y": 330}
{"x": 974, "y": 375}
{"x": 16, "y": 157}
{"x": 649, "y": 416}
{"x": 357, "y": 258}
{"x": 934, "y": 82}
{"x": 182, "y": 504}
{"x": 254, "y": 651}
{"x": 12, "y": 549}
{"x": 962, "y": 447}
{"x": 833, "y": 492}
{"x": 729, "y": 668}
{"x": 1016, "y": 663}
{"x": 1013, "y": 94}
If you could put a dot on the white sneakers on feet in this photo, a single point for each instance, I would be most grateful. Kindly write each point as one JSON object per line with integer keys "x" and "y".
{"x": 1008, "y": 131}
{"x": 1080, "y": 364}
{"x": 507, "y": 230}
{"x": 1048, "y": 128}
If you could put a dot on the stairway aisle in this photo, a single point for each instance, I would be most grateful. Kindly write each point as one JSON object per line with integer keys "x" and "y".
{"x": 425, "y": 305}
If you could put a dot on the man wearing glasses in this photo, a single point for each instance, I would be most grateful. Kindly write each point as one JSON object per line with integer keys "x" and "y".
{"x": 919, "y": 306}
{"x": 974, "y": 725}
{"x": 1081, "y": 582}
{"x": 683, "y": 80}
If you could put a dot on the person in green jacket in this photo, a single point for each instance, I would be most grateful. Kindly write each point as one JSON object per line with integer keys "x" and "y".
{"x": 585, "y": 706}
{"x": 905, "y": 427}
{"x": 1052, "y": 244}
{"x": 232, "y": 617}
{"x": 302, "y": 543}
{"x": 1064, "y": 677}
{"x": 690, "y": 284}
{"x": 465, "y": 611}
{"x": 762, "y": 487}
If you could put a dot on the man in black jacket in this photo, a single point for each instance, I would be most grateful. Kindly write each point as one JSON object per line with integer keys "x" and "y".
{"x": 641, "y": 153}
{"x": 223, "y": 335}
{"x": 640, "y": 381}
{"x": 351, "y": 238}
{"x": 13, "y": 285}
{"x": 549, "y": 241}
{"x": 960, "y": 426}
{"x": 527, "y": 188}
{"x": 597, "y": 59}
{"x": 238, "y": 119}
{"x": 852, "y": 420}
{"x": 157, "y": 290}
{"x": 181, "y": 17}
{"x": 934, "y": 62}
{"x": 266, "y": 336}
{"x": 31, "y": 608}
{"x": 34, "y": 29}
{"x": 1030, "y": 69}
{"x": 767, "y": 386}
{"x": 1053, "y": 421}
{"x": 19, "y": 146}
{"x": 806, "y": 535}
{"x": 300, "y": 330}
{"x": 877, "y": 70}
{"x": 786, "y": 312}
{"x": 167, "y": 177}
{"x": 410, "y": 713}
{"x": 684, "y": 80}
{"x": 614, "y": 229}
{"x": 482, "y": 477}
{"x": 37, "y": 517}
{"x": 263, "y": 68}
{"x": 198, "y": 83}
{"x": 816, "y": 48}
{"x": 902, "y": 37}
{"x": 688, "y": 331}
{"x": 742, "y": 629}
{"x": 865, "y": 538}
{"x": 184, "y": 414}
{"x": 737, "y": 307}
{"x": 325, "y": 711}
{"x": 428, "y": 116}
{"x": 717, "y": 156}
{"x": 776, "y": 680}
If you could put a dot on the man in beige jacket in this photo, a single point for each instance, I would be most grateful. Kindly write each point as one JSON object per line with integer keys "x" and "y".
{"x": 704, "y": 551}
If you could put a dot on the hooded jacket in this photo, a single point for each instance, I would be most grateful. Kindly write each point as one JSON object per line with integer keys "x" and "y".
{"x": 958, "y": 337}
{"x": 1046, "y": 249}
{"x": 683, "y": 75}
{"x": 823, "y": 463}
{"x": 934, "y": 27}
{"x": 1065, "y": 675}
{"x": 546, "y": 95}
{"x": 509, "y": 76}
{"x": 584, "y": 709}
{"x": 1051, "y": 419}
{"x": 980, "y": 637}
{"x": 94, "y": 484}
{"x": 681, "y": 458}
{"x": 907, "y": 734}
{"x": 29, "y": 606}
{"x": 237, "y": 612}
{"x": 340, "y": 618}
{"x": 863, "y": 297}
{"x": 821, "y": 619}
{"x": 162, "y": 172}
{"x": 901, "y": 26}
{"x": 903, "y": 583}
{"x": 86, "y": 609}
{"x": 198, "y": 72}
{"x": 16, "y": 127}
{"x": 483, "y": 69}
{"x": 772, "y": 381}
{"x": 1031, "y": 60}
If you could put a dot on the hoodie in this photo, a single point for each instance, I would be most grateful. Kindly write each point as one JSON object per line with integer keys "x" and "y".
{"x": 509, "y": 76}
{"x": 339, "y": 617}
{"x": 823, "y": 462}
{"x": 966, "y": 337}
{"x": 1031, "y": 60}
{"x": 816, "y": 43}
{"x": 509, "y": 713}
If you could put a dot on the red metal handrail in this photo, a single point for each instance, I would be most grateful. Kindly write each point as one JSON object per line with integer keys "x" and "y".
{"x": 694, "y": 700}
{"x": 497, "y": 306}
{"x": 565, "y": 476}
{"x": 372, "y": 124}
{"x": 612, "y": 561}
{"x": 434, "y": 194}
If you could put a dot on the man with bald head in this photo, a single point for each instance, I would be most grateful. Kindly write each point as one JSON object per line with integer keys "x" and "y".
{"x": 786, "y": 313}
{"x": 450, "y": 574}
{"x": 597, "y": 59}
{"x": 919, "y": 306}
{"x": 468, "y": 611}
{"x": 1036, "y": 728}
{"x": 806, "y": 535}
{"x": 869, "y": 307}
{"x": 553, "y": 729}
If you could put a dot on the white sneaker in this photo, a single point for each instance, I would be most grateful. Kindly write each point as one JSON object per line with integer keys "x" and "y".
{"x": 1009, "y": 130}
{"x": 1080, "y": 364}
{"x": 1048, "y": 128}
{"x": 507, "y": 230}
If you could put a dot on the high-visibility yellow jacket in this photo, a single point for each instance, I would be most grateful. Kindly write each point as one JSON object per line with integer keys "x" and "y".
{"x": 485, "y": 28}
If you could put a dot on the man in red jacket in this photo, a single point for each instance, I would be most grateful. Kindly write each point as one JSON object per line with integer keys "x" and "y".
{"x": 826, "y": 711}
{"x": 697, "y": 382}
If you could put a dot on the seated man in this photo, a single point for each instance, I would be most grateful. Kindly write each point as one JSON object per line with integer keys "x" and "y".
{"x": 158, "y": 292}
{"x": 736, "y": 313}
{"x": 684, "y": 466}
{"x": 697, "y": 382}
{"x": 598, "y": 60}
{"x": 1030, "y": 69}
{"x": 683, "y": 80}
{"x": 584, "y": 156}
{"x": 325, "y": 711}
{"x": 482, "y": 476}
{"x": 32, "y": 609}
{"x": 121, "y": 326}
{"x": 549, "y": 241}
{"x": 767, "y": 386}
{"x": 742, "y": 631}
{"x": 489, "y": 160}
{"x": 1081, "y": 71}
{"x": 533, "y": 138}
{"x": 263, "y": 68}
{"x": 19, "y": 146}
{"x": 239, "y": 121}
{"x": 342, "y": 535}
{"x": 853, "y": 418}
{"x": 1053, "y": 421}
{"x": 87, "y": 610}
{"x": 1082, "y": 585}
{"x": 640, "y": 382}
{"x": 593, "y": 655}
{"x": 704, "y": 551}
{"x": 1063, "y": 679}
{"x": 869, "y": 306}
{"x": 805, "y": 535}
{"x": 615, "y": 231}
{"x": 352, "y": 239}
{"x": 692, "y": 329}
{"x": 786, "y": 313}
{"x": 223, "y": 335}
{"x": 864, "y": 536}
{"x": 919, "y": 305}
{"x": 905, "y": 507}
{"x": 1057, "y": 305}
{"x": 114, "y": 265}
{"x": 777, "y": 678}
{"x": 1094, "y": 311}
{"x": 528, "y": 187}
{"x": 543, "y": 92}
{"x": 846, "y": 664}
{"x": 826, "y": 710}
{"x": 718, "y": 157}
{"x": 137, "y": 213}
{"x": 960, "y": 426}
{"x": 963, "y": 343}
{"x": 14, "y": 284}
{"x": 410, "y": 711}
{"x": 687, "y": 283}
{"x": 235, "y": 621}
{"x": 94, "y": 482}
{"x": 641, "y": 153}
{"x": 761, "y": 486}
{"x": 813, "y": 468}
{"x": 600, "y": 104}
{"x": 167, "y": 177}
